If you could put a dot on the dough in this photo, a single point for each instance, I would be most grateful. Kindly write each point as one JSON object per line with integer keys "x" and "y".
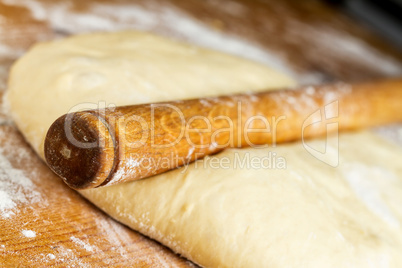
{"x": 288, "y": 209}
{"x": 88, "y": 71}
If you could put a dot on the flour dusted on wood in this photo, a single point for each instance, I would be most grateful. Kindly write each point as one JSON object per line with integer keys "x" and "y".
{"x": 15, "y": 188}
{"x": 28, "y": 233}
{"x": 81, "y": 243}
{"x": 165, "y": 20}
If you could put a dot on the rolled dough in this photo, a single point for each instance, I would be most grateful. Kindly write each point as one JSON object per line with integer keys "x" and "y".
{"x": 288, "y": 209}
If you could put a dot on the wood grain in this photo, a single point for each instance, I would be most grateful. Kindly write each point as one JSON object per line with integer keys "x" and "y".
{"x": 103, "y": 143}
{"x": 309, "y": 40}
{"x": 69, "y": 230}
{"x": 315, "y": 40}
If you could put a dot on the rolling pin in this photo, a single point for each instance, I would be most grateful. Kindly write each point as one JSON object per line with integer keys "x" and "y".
{"x": 113, "y": 145}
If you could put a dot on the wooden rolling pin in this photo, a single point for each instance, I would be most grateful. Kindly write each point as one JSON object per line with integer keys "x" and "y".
{"x": 108, "y": 146}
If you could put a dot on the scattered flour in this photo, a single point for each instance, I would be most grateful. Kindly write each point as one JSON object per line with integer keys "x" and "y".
{"x": 7, "y": 51}
{"x": 28, "y": 233}
{"x": 81, "y": 243}
{"x": 349, "y": 46}
{"x": 343, "y": 45}
{"x": 51, "y": 256}
{"x": 15, "y": 188}
{"x": 69, "y": 258}
{"x": 171, "y": 21}
{"x": 165, "y": 20}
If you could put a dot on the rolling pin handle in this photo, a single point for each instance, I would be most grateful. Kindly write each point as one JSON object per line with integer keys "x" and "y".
{"x": 81, "y": 150}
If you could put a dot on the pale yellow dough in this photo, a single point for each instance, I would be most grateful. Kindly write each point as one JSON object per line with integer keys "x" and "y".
{"x": 308, "y": 214}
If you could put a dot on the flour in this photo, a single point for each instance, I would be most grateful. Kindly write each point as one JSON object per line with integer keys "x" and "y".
{"x": 170, "y": 21}
{"x": 5, "y": 200}
{"x": 81, "y": 243}
{"x": 166, "y": 20}
{"x": 28, "y": 233}
{"x": 51, "y": 256}
{"x": 9, "y": 51}
{"x": 342, "y": 45}
{"x": 69, "y": 257}
{"x": 15, "y": 188}
{"x": 355, "y": 49}
{"x": 178, "y": 23}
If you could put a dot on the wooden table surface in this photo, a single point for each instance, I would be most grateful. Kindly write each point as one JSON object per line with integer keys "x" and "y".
{"x": 42, "y": 221}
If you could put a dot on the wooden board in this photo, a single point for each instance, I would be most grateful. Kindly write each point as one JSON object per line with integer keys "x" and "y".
{"x": 53, "y": 224}
{"x": 49, "y": 224}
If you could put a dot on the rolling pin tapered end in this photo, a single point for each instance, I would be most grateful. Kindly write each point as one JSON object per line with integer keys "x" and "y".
{"x": 80, "y": 149}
